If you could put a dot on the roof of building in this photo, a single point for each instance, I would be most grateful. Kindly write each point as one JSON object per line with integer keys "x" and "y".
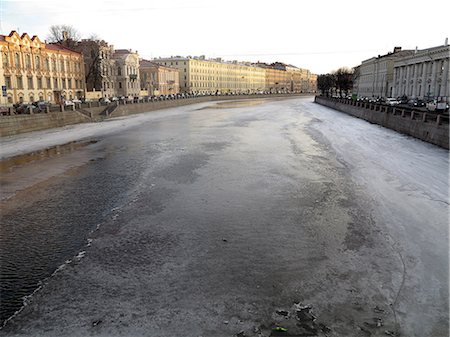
{"x": 57, "y": 46}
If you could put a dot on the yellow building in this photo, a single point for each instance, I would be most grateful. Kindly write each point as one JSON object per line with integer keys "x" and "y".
{"x": 32, "y": 70}
{"x": 198, "y": 75}
{"x": 158, "y": 79}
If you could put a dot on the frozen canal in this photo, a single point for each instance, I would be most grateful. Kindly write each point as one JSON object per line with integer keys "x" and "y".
{"x": 227, "y": 219}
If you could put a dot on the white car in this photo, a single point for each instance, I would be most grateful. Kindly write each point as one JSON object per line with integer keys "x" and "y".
{"x": 392, "y": 101}
{"x": 69, "y": 103}
{"x": 76, "y": 100}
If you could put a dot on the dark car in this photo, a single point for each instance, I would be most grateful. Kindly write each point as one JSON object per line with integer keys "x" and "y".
{"x": 41, "y": 106}
{"x": 24, "y": 108}
{"x": 416, "y": 102}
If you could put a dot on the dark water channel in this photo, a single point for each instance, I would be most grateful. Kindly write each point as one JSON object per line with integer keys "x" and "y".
{"x": 50, "y": 224}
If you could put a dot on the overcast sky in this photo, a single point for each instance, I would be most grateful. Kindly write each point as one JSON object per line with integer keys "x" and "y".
{"x": 318, "y": 35}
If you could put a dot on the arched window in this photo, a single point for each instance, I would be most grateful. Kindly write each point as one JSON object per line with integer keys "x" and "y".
{"x": 47, "y": 64}
{"x": 37, "y": 62}
{"x": 119, "y": 71}
{"x": 54, "y": 64}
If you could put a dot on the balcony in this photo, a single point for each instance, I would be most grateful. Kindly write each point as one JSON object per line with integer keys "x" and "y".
{"x": 133, "y": 77}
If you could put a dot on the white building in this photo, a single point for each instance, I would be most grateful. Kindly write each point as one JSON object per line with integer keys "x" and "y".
{"x": 424, "y": 74}
{"x": 127, "y": 82}
{"x": 374, "y": 77}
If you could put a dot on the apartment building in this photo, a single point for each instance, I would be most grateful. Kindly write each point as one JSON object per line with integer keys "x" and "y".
{"x": 199, "y": 75}
{"x": 32, "y": 70}
{"x": 157, "y": 79}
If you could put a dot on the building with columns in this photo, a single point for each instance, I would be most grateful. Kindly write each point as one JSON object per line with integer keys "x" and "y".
{"x": 32, "y": 70}
{"x": 424, "y": 74}
{"x": 157, "y": 79}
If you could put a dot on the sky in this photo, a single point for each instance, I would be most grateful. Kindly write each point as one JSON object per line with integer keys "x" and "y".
{"x": 321, "y": 36}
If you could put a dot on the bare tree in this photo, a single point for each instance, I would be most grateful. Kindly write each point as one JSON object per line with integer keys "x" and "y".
{"x": 344, "y": 80}
{"x": 325, "y": 83}
{"x": 65, "y": 35}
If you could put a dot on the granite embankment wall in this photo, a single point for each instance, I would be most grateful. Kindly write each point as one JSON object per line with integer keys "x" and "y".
{"x": 15, "y": 124}
{"x": 430, "y": 127}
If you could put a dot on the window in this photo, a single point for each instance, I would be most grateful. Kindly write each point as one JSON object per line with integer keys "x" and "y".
{"x": 49, "y": 83}
{"x": 17, "y": 60}
{"x": 8, "y": 82}
{"x": 64, "y": 84}
{"x": 37, "y": 62}
{"x": 55, "y": 83}
{"x": 120, "y": 85}
{"x": 70, "y": 83}
{"x": 39, "y": 82}
{"x": 54, "y": 65}
{"x": 28, "y": 61}
{"x": 47, "y": 64}
{"x": 63, "y": 67}
{"x": 5, "y": 60}
{"x": 19, "y": 82}
{"x": 30, "y": 83}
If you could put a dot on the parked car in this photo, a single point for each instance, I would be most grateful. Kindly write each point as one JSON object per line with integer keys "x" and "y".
{"x": 392, "y": 101}
{"x": 113, "y": 99}
{"x": 403, "y": 99}
{"x": 24, "y": 108}
{"x": 68, "y": 103}
{"x": 104, "y": 100}
{"x": 416, "y": 102}
{"x": 41, "y": 106}
{"x": 4, "y": 110}
{"x": 77, "y": 101}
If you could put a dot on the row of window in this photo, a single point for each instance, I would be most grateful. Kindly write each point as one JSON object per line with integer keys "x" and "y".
{"x": 422, "y": 69}
{"x": 44, "y": 83}
{"x": 41, "y": 64}
{"x": 110, "y": 85}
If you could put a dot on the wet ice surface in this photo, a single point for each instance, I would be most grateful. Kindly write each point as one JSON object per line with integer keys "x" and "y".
{"x": 215, "y": 221}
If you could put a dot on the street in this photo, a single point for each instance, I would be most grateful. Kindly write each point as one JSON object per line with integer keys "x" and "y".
{"x": 261, "y": 217}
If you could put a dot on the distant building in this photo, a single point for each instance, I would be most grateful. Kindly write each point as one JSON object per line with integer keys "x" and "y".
{"x": 158, "y": 79}
{"x": 127, "y": 82}
{"x": 374, "y": 77}
{"x": 32, "y": 70}
{"x": 199, "y": 75}
{"x": 424, "y": 74}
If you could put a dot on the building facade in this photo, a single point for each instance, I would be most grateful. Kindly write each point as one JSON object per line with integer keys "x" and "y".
{"x": 127, "y": 80}
{"x": 99, "y": 66}
{"x": 424, "y": 74}
{"x": 158, "y": 79}
{"x": 199, "y": 75}
{"x": 32, "y": 70}
{"x": 374, "y": 77}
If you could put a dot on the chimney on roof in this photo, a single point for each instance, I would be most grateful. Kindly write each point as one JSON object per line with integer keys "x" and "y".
{"x": 65, "y": 36}
{"x": 397, "y": 49}
{"x": 446, "y": 42}
{"x": 415, "y": 51}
